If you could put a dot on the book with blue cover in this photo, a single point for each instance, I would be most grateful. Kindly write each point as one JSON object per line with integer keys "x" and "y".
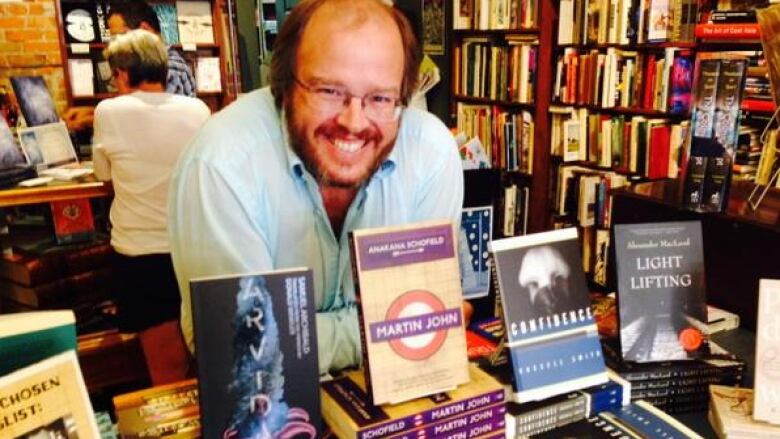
{"x": 551, "y": 332}
{"x": 476, "y": 230}
{"x": 256, "y": 345}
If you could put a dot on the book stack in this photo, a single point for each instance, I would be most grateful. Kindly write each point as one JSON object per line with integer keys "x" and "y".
{"x": 47, "y": 276}
{"x": 168, "y": 410}
{"x": 475, "y": 409}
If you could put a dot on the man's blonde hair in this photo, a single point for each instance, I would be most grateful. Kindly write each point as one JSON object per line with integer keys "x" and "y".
{"x": 141, "y": 54}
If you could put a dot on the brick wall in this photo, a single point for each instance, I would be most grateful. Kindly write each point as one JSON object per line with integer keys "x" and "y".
{"x": 29, "y": 45}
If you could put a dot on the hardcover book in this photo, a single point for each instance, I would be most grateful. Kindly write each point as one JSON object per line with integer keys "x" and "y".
{"x": 29, "y": 268}
{"x": 194, "y": 22}
{"x": 166, "y": 410}
{"x": 256, "y": 340}
{"x": 26, "y": 338}
{"x": 766, "y": 404}
{"x": 476, "y": 230}
{"x": 73, "y": 220}
{"x": 47, "y": 399}
{"x": 347, "y": 409}
{"x": 34, "y": 100}
{"x": 408, "y": 287}
{"x": 727, "y": 105}
{"x": 662, "y": 307}
{"x": 706, "y": 92}
{"x": 551, "y": 333}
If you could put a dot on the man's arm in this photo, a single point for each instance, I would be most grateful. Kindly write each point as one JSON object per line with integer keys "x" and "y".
{"x": 440, "y": 194}
{"x": 103, "y": 135}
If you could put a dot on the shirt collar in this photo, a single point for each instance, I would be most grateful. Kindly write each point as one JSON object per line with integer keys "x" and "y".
{"x": 297, "y": 169}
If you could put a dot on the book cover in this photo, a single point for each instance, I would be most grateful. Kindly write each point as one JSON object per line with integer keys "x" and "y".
{"x": 73, "y": 220}
{"x": 11, "y": 155}
{"x": 347, "y": 407}
{"x": 644, "y": 420}
{"x": 34, "y": 100}
{"x": 662, "y": 306}
{"x": 693, "y": 189}
{"x": 476, "y": 230}
{"x": 26, "y": 338}
{"x": 207, "y": 76}
{"x": 659, "y": 21}
{"x": 551, "y": 333}
{"x": 731, "y": 414}
{"x": 169, "y": 28}
{"x": 706, "y": 92}
{"x": 716, "y": 183}
{"x": 766, "y": 403}
{"x": 194, "y": 22}
{"x": 727, "y": 105}
{"x": 154, "y": 412}
{"x": 47, "y": 399}
{"x": 81, "y": 74}
{"x": 681, "y": 83}
{"x": 78, "y": 22}
{"x": 410, "y": 310}
{"x": 47, "y": 146}
{"x": 256, "y": 344}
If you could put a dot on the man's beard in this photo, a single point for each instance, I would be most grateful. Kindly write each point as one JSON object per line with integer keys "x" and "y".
{"x": 307, "y": 152}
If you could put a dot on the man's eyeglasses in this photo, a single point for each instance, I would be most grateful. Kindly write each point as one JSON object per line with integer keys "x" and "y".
{"x": 378, "y": 106}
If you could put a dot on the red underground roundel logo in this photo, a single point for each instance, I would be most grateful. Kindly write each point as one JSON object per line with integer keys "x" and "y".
{"x": 416, "y": 325}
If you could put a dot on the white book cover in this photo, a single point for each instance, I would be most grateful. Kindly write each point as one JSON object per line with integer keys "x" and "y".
{"x": 566, "y": 22}
{"x": 207, "y": 75}
{"x": 195, "y": 22}
{"x": 81, "y": 77}
{"x": 731, "y": 409}
{"x": 766, "y": 401}
{"x": 47, "y": 400}
{"x": 571, "y": 145}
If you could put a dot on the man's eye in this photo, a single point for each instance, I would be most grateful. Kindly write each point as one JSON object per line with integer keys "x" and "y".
{"x": 382, "y": 99}
{"x": 329, "y": 92}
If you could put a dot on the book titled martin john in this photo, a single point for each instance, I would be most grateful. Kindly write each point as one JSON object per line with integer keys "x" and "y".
{"x": 407, "y": 283}
{"x": 551, "y": 333}
{"x": 661, "y": 297}
{"x": 256, "y": 345}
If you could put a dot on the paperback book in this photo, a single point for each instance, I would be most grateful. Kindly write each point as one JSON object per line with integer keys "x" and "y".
{"x": 766, "y": 404}
{"x": 476, "y": 230}
{"x": 552, "y": 337}
{"x": 26, "y": 338}
{"x": 476, "y": 406}
{"x": 731, "y": 415}
{"x": 47, "y": 399}
{"x": 256, "y": 340}
{"x": 409, "y": 293}
{"x": 662, "y": 307}
{"x": 167, "y": 410}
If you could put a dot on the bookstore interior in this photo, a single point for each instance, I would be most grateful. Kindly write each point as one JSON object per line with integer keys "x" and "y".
{"x": 620, "y": 163}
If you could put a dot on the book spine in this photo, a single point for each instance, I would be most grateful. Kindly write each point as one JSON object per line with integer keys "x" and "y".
{"x": 360, "y": 314}
{"x": 730, "y": 31}
{"x": 469, "y": 425}
{"x": 693, "y": 192}
{"x": 435, "y": 414}
{"x": 716, "y": 183}
{"x": 547, "y": 418}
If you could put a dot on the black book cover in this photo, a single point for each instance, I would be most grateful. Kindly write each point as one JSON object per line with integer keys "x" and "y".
{"x": 662, "y": 307}
{"x": 693, "y": 191}
{"x": 716, "y": 183}
{"x": 256, "y": 345}
{"x": 79, "y": 22}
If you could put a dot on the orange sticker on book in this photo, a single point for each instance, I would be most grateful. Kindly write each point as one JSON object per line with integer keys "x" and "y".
{"x": 691, "y": 339}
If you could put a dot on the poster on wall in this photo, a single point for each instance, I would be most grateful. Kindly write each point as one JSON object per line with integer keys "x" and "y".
{"x": 433, "y": 27}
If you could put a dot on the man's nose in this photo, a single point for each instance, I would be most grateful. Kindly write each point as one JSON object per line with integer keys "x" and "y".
{"x": 352, "y": 116}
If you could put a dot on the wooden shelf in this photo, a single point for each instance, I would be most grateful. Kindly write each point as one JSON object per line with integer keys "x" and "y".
{"x": 54, "y": 192}
{"x": 634, "y": 111}
{"x": 476, "y": 100}
{"x": 643, "y": 46}
{"x": 484, "y": 32}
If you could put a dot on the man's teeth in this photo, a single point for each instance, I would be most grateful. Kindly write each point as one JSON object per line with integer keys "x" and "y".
{"x": 348, "y": 146}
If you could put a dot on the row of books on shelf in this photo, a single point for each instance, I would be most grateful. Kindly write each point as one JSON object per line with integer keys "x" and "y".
{"x": 583, "y": 194}
{"x": 494, "y": 14}
{"x": 90, "y": 76}
{"x": 646, "y": 147}
{"x": 505, "y": 72}
{"x": 508, "y": 137}
{"x": 626, "y": 22}
{"x": 184, "y": 21}
{"x": 625, "y": 78}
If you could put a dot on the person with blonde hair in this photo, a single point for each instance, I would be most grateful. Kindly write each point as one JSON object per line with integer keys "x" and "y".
{"x": 139, "y": 136}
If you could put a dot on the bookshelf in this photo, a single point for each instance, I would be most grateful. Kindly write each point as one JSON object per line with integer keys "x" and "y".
{"x": 499, "y": 55}
{"x": 82, "y": 59}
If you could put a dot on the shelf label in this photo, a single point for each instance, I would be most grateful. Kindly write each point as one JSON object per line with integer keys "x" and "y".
{"x": 189, "y": 47}
{"x": 79, "y": 48}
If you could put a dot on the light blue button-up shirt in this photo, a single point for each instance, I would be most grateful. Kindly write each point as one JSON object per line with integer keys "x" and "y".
{"x": 241, "y": 201}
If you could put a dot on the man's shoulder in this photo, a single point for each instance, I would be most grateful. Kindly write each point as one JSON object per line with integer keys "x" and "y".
{"x": 419, "y": 126}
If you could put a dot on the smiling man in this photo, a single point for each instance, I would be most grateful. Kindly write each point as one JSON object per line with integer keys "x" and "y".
{"x": 279, "y": 178}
